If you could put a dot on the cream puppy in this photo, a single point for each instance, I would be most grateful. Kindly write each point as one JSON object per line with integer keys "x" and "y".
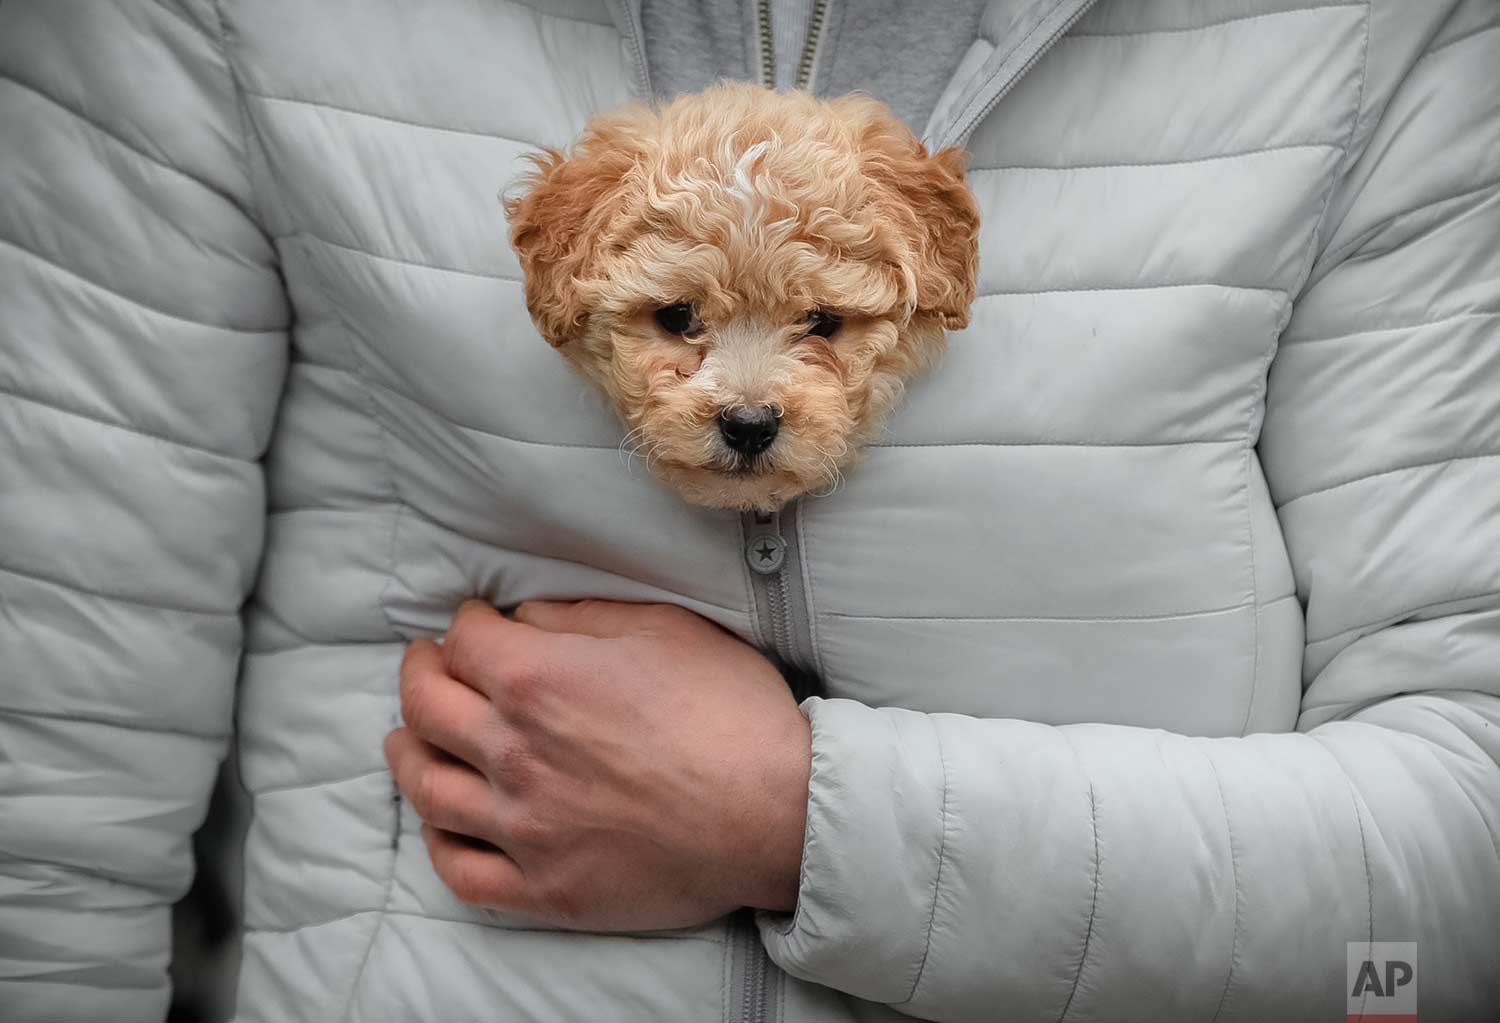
{"x": 750, "y": 276}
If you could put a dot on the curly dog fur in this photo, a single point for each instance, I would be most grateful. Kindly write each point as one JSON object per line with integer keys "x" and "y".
{"x": 758, "y": 215}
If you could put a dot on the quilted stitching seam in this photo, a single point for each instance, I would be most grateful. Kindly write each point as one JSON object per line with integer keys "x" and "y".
{"x": 1364, "y": 848}
{"x": 317, "y": 783}
{"x": 1088, "y": 934}
{"x": 304, "y": 234}
{"x": 138, "y": 303}
{"x": 1088, "y": 443}
{"x": 937, "y": 880}
{"x": 111, "y": 722}
{"x": 1364, "y": 236}
{"x": 418, "y": 514}
{"x": 375, "y": 385}
{"x": 123, "y": 598}
{"x": 1445, "y": 605}
{"x": 101, "y": 130}
{"x": 1060, "y": 618}
{"x": 1234, "y": 873}
{"x": 1087, "y": 289}
{"x": 1212, "y": 24}
{"x": 1456, "y": 40}
{"x": 1259, "y": 393}
{"x": 114, "y": 424}
{"x": 484, "y": 924}
{"x": 1391, "y": 328}
{"x": 1181, "y": 162}
{"x": 1434, "y": 750}
{"x": 361, "y": 372}
{"x": 408, "y": 122}
{"x": 1310, "y": 255}
{"x": 1478, "y": 456}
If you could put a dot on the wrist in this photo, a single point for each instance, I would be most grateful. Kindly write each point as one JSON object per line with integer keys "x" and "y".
{"x": 775, "y": 854}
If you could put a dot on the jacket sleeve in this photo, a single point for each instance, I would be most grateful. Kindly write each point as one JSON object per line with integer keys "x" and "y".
{"x": 977, "y": 869}
{"x": 142, "y": 350}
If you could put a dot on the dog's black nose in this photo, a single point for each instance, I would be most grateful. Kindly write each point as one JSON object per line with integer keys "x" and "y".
{"x": 749, "y": 430}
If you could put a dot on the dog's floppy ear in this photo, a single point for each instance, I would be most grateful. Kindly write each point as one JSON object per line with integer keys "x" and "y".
{"x": 925, "y": 199}
{"x": 565, "y": 212}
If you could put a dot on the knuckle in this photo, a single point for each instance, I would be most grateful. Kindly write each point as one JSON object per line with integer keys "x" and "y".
{"x": 563, "y": 901}
{"x": 508, "y": 760}
{"x": 466, "y": 665}
{"x": 522, "y": 682}
{"x": 529, "y": 831}
{"x": 471, "y": 611}
{"x": 424, "y": 793}
{"x": 457, "y": 652}
{"x": 462, "y": 635}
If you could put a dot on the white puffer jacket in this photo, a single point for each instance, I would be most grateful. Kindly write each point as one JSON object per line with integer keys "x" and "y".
{"x": 1161, "y": 633}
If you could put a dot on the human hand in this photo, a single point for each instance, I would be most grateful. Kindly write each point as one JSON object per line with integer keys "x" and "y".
{"x": 603, "y": 766}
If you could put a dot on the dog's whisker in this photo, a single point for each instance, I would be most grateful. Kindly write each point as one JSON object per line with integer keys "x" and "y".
{"x": 838, "y": 482}
{"x": 653, "y": 453}
{"x": 630, "y": 446}
{"x": 835, "y": 477}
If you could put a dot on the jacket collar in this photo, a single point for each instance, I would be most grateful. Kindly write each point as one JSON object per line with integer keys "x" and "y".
{"x": 1021, "y": 31}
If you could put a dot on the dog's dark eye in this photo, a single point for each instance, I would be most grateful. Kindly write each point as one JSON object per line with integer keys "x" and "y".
{"x": 821, "y": 323}
{"x": 679, "y": 319}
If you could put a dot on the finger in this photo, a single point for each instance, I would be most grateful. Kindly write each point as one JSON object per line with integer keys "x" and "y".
{"x": 444, "y": 792}
{"x": 441, "y": 709}
{"x": 481, "y": 643}
{"x": 602, "y": 619}
{"x": 480, "y": 875}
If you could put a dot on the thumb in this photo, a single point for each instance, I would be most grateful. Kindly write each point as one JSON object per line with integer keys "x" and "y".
{"x": 602, "y": 619}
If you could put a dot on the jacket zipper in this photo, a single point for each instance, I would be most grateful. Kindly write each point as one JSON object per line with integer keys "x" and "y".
{"x": 755, "y": 984}
{"x": 766, "y": 553}
{"x": 773, "y": 555}
{"x": 778, "y": 608}
{"x": 809, "y": 52}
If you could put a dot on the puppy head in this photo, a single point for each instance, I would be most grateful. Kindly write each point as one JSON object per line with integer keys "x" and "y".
{"x": 750, "y": 276}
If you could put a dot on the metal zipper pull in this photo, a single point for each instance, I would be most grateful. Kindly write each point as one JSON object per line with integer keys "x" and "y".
{"x": 765, "y": 549}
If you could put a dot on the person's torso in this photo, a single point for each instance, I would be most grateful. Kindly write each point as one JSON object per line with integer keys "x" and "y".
{"x": 1066, "y": 521}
